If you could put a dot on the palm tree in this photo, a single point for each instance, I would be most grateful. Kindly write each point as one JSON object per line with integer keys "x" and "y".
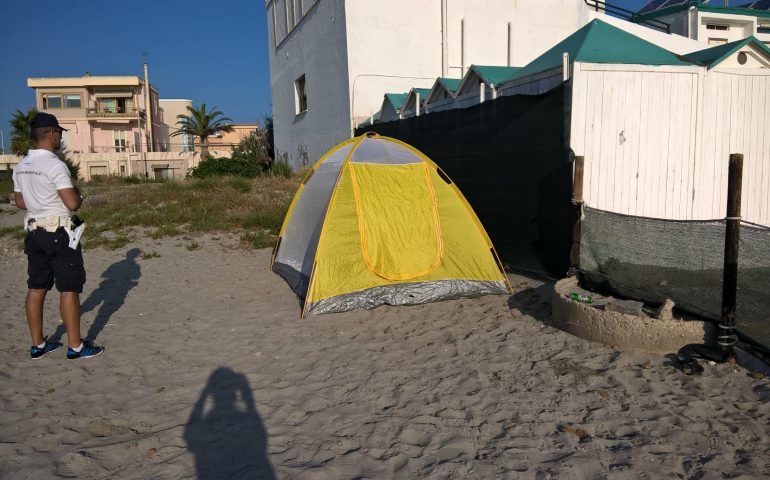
{"x": 21, "y": 133}
{"x": 200, "y": 123}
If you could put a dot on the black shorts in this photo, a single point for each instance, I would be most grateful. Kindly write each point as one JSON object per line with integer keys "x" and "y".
{"x": 51, "y": 261}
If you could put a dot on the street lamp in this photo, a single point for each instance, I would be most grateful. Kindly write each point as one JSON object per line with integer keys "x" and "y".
{"x": 2, "y": 144}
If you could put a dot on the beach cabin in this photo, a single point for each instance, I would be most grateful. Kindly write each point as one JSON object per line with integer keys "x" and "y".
{"x": 391, "y": 106}
{"x": 414, "y": 104}
{"x": 481, "y": 83}
{"x": 442, "y": 94}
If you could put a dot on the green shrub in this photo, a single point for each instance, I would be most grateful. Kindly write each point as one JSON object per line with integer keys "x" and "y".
{"x": 254, "y": 147}
{"x": 237, "y": 166}
{"x": 6, "y": 186}
{"x": 281, "y": 168}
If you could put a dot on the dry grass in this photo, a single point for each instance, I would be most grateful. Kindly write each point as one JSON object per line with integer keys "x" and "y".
{"x": 116, "y": 212}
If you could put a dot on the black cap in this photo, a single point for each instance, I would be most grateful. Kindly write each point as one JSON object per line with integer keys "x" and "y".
{"x": 43, "y": 120}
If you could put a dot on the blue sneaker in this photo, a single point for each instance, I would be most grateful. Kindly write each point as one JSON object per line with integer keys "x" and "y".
{"x": 88, "y": 350}
{"x": 37, "y": 352}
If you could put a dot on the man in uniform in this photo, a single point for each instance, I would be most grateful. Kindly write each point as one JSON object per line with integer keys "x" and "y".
{"x": 42, "y": 185}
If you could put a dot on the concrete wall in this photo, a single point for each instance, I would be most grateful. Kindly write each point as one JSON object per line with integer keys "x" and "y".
{"x": 125, "y": 163}
{"x": 316, "y": 48}
{"x": 476, "y": 33}
{"x": 623, "y": 331}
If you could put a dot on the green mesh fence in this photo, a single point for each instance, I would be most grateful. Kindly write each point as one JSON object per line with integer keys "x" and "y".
{"x": 651, "y": 259}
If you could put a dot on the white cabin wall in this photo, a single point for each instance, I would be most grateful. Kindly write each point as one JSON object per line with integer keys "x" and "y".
{"x": 657, "y": 140}
{"x": 744, "y": 130}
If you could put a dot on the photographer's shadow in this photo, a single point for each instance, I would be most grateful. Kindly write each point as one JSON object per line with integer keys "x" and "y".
{"x": 110, "y": 295}
{"x": 225, "y": 432}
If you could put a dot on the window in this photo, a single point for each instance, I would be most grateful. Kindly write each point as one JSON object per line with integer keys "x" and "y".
{"x": 51, "y": 101}
{"x": 58, "y": 100}
{"x": 714, "y": 26}
{"x": 187, "y": 142}
{"x": 286, "y": 15}
{"x": 71, "y": 101}
{"x": 108, "y": 105}
{"x": 122, "y": 170}
{"x": 717, "y": 41}
{"x": 300, "y": 95}
{"x": 115, "y": 105}
{"x": 120, "y": 140}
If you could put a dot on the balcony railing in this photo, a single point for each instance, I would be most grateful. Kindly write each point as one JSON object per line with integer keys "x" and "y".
{"x": 110, "y": 149}
{"x": 118, "y": 113}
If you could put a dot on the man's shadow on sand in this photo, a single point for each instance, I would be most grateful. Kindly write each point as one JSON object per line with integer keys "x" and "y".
{"x": 117, "y": 281}
{"x": 225, "y": 433}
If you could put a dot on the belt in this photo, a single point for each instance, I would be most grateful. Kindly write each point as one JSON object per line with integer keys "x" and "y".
{"x": 50, "y": 223}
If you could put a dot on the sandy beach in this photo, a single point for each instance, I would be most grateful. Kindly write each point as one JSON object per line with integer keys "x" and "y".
{"x": 210, "y": 373}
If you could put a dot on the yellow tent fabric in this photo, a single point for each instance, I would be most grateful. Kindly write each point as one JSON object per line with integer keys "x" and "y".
{"x": 377, "y": 222}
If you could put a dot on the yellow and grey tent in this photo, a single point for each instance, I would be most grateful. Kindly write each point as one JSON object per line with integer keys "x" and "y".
{"x": 377, "y": 222}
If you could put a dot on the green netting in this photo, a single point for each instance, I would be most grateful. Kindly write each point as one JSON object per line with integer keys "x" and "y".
{"x": 651, "y": 259}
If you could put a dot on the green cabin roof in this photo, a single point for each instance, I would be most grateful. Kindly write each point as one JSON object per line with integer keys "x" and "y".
{"x": 451, "y": 84}
{"x": 600, "y": 42}
{"x": 493, "y": 75}
{"x": 424, "y": 92}
{"x": 396, "y": 99}
{"x": 711, "y": 57}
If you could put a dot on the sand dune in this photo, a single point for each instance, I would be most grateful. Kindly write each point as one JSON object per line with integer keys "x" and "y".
{"x": 210, "y": 373}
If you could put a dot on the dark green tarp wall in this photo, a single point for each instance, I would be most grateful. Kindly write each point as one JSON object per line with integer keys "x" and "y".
{"x": 507, "y": 156}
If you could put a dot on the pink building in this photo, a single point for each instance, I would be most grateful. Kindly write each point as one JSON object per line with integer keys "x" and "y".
{"x": 102, "y": 113}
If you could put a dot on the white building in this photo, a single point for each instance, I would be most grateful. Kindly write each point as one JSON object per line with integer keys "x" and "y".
{"x": 332, "y": 60}
{"x": 716, "y": 22}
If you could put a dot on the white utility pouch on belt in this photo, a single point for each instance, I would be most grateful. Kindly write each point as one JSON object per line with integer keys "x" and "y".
{"x": 51, "y": 224}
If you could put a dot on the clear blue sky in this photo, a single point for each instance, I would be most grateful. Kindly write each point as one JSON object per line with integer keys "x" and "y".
{"x": 212, "y": 52}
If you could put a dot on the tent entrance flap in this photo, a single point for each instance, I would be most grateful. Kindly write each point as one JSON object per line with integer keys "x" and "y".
{"x": 398, "y": 220}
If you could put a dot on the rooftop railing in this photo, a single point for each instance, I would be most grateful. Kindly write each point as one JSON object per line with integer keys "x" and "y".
{"x": 629, "y": 15}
